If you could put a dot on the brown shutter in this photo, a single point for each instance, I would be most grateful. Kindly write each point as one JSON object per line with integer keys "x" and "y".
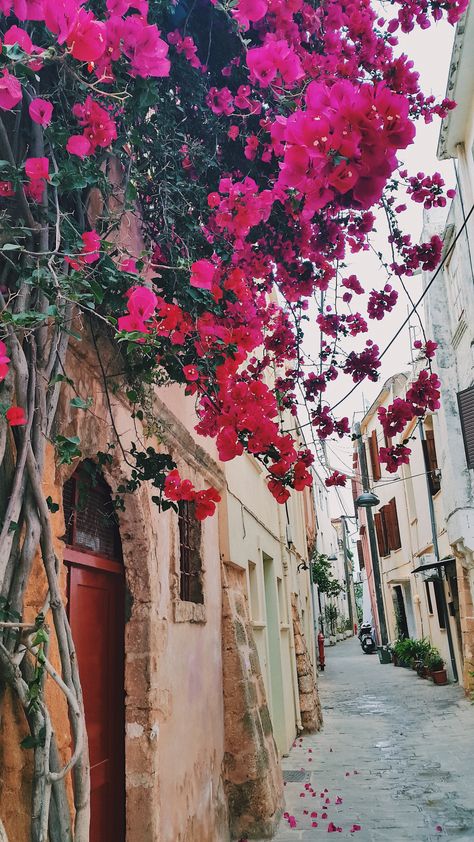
{"x": 360, "y": 554}
{"x": 374, "y": 456}
{"x": 393, "y": 529}
{"x": 466, "y": 412}
{"x": 380, "y": 530}
{"x": 431, "y": 462}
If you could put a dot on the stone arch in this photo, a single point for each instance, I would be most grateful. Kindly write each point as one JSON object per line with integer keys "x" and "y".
{"x": 145, "y": 634}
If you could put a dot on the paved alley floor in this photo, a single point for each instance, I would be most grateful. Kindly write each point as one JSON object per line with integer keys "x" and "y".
{"x": 395, "y": 757}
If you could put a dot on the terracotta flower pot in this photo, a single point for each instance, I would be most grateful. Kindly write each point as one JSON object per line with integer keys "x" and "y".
{"x": 439, "y": 677}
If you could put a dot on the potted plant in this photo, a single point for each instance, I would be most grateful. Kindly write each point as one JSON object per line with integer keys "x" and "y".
{"x": 435, "y": 666}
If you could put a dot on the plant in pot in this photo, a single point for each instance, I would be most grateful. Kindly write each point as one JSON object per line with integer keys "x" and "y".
{"x": 420, "y": 652}
{"x": 435, "y": 666}
{"x": 401, "y": 651}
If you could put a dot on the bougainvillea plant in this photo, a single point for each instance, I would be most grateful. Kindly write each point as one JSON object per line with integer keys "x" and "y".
{"x": 253, "y": 140}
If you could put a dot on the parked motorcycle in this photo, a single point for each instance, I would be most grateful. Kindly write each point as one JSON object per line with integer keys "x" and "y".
{"x": 366, "y": 639}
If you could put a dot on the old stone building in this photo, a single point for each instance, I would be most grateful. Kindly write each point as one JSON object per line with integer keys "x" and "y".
{"x": 194, "y": 640}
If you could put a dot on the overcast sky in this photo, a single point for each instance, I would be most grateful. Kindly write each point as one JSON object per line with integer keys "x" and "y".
{"x": 431, "y": 52}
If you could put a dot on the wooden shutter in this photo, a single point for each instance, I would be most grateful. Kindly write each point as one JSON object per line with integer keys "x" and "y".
{"x": 360, "y": 554}
{"x": 392, "y": 528}
{"x": 466, "y": 412}
{"x": 380, "y": 530}
{"x": 431, "y": 462}
{"x": 374, "y": 456}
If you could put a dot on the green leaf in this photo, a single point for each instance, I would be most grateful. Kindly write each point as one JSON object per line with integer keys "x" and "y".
{"x": 80, "y": 403}
{"x": 12, "y": 247}
{"x": 61, "y": 378}
{"x": 97, "y": 291}
{"x": 41, "y": 636}
{"x": 53, "y": 507}
{"x": 29, "y": 742}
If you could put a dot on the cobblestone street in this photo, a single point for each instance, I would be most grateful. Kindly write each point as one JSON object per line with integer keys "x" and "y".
{"x": 395, "y": 757}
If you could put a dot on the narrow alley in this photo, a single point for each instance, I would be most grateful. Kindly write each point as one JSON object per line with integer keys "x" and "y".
{"x": 394, "y": 761}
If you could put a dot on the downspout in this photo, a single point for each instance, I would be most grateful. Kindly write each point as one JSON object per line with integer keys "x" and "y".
{"x": 284, "y": 563}
{"x": 434, "y": 534}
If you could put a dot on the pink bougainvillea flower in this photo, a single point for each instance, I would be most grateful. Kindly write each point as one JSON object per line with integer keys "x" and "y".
{"x": 15, "y": 416}
{"x": 91, "y": 246}
{"x": 10, "y": 91}
{"x": 338, "y": 800}
{"x": 202, "y": 274}
{"x": 6, "y": 189}
{"x": 78, "y": 145}
{"x": 129, "y": 265}
{"x": 87, "y": 37}
{"x": 15, "y": 35}
{"x": 142, "y": 303}
{"x": 35, "y": 189}
{"x": 40, "y": 111}
{"x": 37, "y": 168}
{"x": 191, "y": 373}
{"x": 205, "y": 503}
{"x": 248, "y": 11}
{"x": 4, "y": 360}
{"x": 145, "y": 49}
{"x": 438, "y": 828}
{"x": 336, "y": 478}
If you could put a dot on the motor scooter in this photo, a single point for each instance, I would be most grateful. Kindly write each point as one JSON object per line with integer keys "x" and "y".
{"x": 366, "y": 639}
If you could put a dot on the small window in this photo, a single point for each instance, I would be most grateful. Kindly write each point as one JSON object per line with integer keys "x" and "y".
{"x": 190, "y": 566}
{"x": 439, "y": 596}
{"x": 431, "y": 462}
{"x": 253, "y": 585}
{"x": 89, "y": 513}
{"x": 428, "y": 597}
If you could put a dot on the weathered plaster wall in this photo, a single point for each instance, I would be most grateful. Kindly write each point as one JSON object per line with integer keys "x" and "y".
{"x": 252, "y": 771}
{"x": 174, "y": 740}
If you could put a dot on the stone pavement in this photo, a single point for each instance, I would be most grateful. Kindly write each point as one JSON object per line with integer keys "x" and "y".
{"x": 395, "y": 757}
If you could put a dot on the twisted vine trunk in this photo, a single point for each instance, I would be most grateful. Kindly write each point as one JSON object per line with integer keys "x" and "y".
{"x": 38, "y": 353}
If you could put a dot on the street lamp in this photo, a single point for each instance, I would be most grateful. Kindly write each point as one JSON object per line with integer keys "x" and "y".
{"x": 367, "y": 500}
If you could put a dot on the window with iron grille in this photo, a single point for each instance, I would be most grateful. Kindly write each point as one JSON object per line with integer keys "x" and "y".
{"x": 89, "y": 513}
{"x": 190, "y": 566}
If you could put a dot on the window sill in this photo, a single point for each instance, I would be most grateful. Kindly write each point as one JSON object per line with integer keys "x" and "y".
{"x": 257, "y": 624}
{"x": 189, "y": 612}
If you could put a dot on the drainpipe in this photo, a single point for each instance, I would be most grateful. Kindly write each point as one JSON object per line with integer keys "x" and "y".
{"x": 284, "y": 563}
{"x": 434, "y": 533}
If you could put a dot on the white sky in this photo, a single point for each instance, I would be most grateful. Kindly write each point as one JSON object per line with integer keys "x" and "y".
{"x": 431, "y": 51}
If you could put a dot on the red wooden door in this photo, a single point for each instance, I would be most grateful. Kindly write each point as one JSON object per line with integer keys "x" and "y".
{"x": 96, "y": 612}
{"x": 96, "y": 608}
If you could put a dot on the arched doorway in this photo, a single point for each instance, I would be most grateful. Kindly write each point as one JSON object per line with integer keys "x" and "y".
{"x": 96, "y": 603}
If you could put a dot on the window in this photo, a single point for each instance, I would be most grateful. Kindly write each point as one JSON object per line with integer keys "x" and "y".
{"x": 439, "y": 596}
{"x": 428, "y": 597}
{"x": 190, "y": 567}
{"x": 374, "y": 456}
{"x": 393, "y": 530}
{"x": 89, "y": 513}
{"x": 381, "y": 531}
{"x": 466, "y": 413}
{"x": 387, "y": 528}
{"x": 431, "y": 462}
{"x": 453, "y": 272}
{"x": 253, "y": 586}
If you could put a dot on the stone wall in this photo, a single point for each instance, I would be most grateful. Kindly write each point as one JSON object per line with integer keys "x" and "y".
{"x": 310, "y": 706}
{"x": 252, "y": 773}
